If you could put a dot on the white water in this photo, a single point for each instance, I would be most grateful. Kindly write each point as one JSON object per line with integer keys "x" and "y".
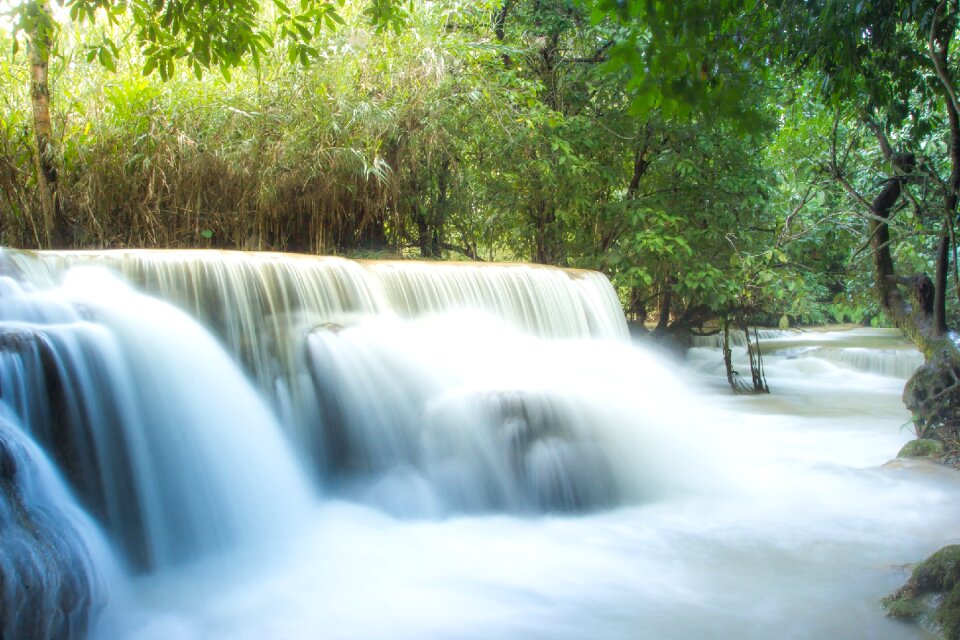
{"x": 880, "y": 351}
{"x": 432, "y": 421}
{"x": 452, "y": 448}
{"x": 168, "y": 440}
{"x": 56, "y": 569}
{"x": 782, "y": 519}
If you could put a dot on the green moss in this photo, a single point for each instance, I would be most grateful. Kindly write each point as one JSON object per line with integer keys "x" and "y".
{"x": 938, "y": 574}
{"x": 903, "y": 608}
{"x": 948, "y": 614}
{"x": 921, "y": 448}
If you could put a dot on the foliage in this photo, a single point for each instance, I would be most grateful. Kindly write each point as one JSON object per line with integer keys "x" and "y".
{"x": 688, "y": 58}
{"x": 203, "y": 35}
{"x": 646, "y": 140}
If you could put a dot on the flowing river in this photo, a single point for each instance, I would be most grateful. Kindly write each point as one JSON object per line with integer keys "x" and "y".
{"x": 247, "y": 446}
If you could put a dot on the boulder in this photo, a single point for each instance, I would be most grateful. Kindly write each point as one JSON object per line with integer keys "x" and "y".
{"x": 50, "y": 588}
{"x": 932, "y": 594}
{"x": 922, "y": 448}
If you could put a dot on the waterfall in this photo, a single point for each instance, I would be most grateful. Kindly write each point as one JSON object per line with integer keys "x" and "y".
{"x": 895, "y": 363}
{"x": 883, "y": 352}
{"x": 365, "y": 415}
{"x": 738, "y": 338}
{"x": 246, "y": 297}
{"x": 157, "y": 430}
{"x": 418, "y": 422}
{"x": 544, "y": 301}
{"x": 52, "y": 559}
{"x": 260, "y": 305}
{"x": 276, "y": 444}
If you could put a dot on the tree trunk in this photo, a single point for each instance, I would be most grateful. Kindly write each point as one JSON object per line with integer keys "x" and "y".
{"x": 499, "y": 29}
{"x": 41, "y": 43}
{"x": 440, "y": 210}
{"x": 423, "y": 231}
{"x": 757, "y": 378}
{"x": 728, "y": 357}
{"x": 663, "y": 314}
{"x": 546, "y": 236}
{"x": 933, "y": 393}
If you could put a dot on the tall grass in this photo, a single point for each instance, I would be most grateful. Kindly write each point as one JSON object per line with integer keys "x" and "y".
{"x": 279, "y": 157}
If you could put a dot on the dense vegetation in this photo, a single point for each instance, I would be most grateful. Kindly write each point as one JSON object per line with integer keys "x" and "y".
{"x": 722, "y": 160}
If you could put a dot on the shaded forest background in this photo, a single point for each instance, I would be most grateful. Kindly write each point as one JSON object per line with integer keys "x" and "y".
{"x": 712, "y": 160}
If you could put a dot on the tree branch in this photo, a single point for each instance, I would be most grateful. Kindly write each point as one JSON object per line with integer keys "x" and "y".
{"x": 597, "y": 56}
{"x": 807, "y": 196}
{"x": 939, "y": 56}
{"x": 882, "y": 139}
{"x": 465, "y": 251}
{"x": 835, "y": 172}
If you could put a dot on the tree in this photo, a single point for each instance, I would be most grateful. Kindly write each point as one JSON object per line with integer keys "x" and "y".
{"x": 689, "y": 58}
{"x": 892, "y": 90}
{"x": 37, "y": 21}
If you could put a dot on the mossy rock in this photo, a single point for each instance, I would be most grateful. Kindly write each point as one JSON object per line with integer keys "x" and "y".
{"x": 906, "y": 608}
{"x": 937, "y": 575}
{"x": 932, "y": 394}
{"x": 922, "y": 448}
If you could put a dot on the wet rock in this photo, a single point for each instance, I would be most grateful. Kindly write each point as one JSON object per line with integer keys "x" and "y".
{"x": 931, "y": 596}
{"x": 556, "y": 463}
{"x": 49, "y": 586}
{"x": 932, "y": 395}
{"x": 922, "y": 448}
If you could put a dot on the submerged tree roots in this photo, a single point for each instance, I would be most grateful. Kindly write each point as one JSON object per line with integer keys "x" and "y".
{"x": 758, "y": 379}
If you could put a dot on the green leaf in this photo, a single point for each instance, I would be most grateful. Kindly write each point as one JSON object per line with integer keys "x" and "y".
{"x": 149, "y": 66}
{"x": 304, "y": 32}
{"x": 106, "y": 59}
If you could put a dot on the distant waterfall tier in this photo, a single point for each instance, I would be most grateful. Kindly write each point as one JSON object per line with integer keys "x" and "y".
{"x": 895, "y": 363}
{"x": 882, "y": 352}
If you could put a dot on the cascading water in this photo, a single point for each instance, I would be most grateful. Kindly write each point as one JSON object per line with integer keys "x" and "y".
{"x": 495, "y": 459}
{"x": 883, "y": 352}
{"x": 430, "y": 404}
{"x": 158, "y": 431}
{"x": 281, "y": 316}
{"x": 53, "y": 562}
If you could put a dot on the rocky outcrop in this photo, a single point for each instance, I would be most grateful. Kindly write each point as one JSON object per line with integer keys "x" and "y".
{"x": 49, "y": 585}
{"x": 922, "y": 448}
{"x": 933, "y": 395}
{"x": 932, "y": 594}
